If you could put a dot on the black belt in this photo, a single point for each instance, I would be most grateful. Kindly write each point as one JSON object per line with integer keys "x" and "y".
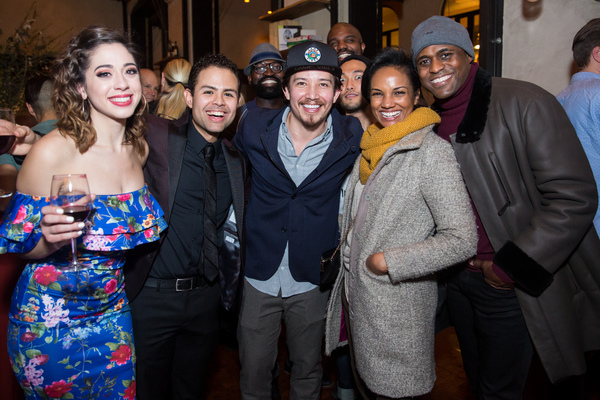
{"x": 179, "y": 285}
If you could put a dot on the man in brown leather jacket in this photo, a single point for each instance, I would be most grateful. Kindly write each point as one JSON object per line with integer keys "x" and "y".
{"x": 535, "y": 281}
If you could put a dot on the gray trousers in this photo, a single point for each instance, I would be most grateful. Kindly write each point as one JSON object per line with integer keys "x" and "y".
{"x": 258, "y": 334}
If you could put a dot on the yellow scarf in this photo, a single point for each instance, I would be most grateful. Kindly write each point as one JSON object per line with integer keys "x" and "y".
{"x": 375, "y": 141}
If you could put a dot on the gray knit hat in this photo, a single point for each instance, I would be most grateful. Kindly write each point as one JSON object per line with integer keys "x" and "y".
{"x": 262, "y": 52}
{"x": 440, "y": 30}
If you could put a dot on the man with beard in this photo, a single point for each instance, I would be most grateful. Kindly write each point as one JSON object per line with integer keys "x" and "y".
{"x": 264, "y": 72}
{"x": 346, "y": 40}
{"x": 298, "y": 157}
{"x": 351, "y": 99}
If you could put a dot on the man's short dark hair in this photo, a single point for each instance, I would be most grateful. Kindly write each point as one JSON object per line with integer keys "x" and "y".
{"x": 212, "y": 60}
{"x": 40, "y": 102}
{"x": 584, "y": 42}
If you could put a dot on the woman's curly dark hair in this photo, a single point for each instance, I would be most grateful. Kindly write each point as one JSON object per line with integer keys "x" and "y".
{"x": 69, "y": 73}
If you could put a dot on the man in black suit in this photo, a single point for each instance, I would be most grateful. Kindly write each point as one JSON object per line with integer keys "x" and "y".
{"x": 173, "y": 288}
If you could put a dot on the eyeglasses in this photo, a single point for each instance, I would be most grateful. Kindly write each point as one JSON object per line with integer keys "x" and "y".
{"x": 262, "y": 68}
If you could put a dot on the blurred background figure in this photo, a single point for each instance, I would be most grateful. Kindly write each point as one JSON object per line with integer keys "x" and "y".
{"x": 581, "y": 99}
{"x": 265, "y": 74}
{"x": 346, "y": 40}
{"x": 8, "y": 178}
{"x": 351, "y": 99}
{"x": 150, "y": 87}
{"x": 171, "y": 103}
{"x": 38, "y": 99}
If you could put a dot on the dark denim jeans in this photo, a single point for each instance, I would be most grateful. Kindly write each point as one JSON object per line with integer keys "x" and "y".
{"x": 495, "y": 344}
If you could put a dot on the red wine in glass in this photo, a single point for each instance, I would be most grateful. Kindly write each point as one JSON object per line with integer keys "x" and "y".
{"x": 71, "y": 192}
{"x": 79, "y": 212}
{"x": 6, "y": 143}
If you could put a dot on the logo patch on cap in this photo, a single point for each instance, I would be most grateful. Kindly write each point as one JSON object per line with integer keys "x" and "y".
{"x": 312, "y": 55}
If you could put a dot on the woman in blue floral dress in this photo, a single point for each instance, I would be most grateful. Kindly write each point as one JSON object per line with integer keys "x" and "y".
{"x": 70, "y": 333}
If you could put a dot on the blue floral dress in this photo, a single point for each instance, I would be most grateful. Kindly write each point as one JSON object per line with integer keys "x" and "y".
{"x": 70, "y": 334}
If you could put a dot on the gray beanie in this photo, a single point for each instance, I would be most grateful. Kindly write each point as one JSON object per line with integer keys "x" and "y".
{"x": 440, "y": 30}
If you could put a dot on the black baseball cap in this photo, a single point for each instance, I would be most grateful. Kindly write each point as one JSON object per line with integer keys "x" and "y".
{"x": 312, "y": 55}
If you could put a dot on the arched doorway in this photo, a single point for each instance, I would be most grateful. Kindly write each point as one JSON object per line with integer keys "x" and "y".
{"x": 389, "y": 27}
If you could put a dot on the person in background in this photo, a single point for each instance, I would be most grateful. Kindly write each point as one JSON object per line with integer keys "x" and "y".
{"x": 581, "y": 99}
{"x": 150, "y": 88}
{"x": 265, "y": 73}
{"x": 70, "y": 332}
{"x": 408, "y": 216}
{"x": 9, "y": 169}
{"x": 298, "y": 157}
{"x": 346, "y": 40}
{"x": 175, "y": 286}
{"x": 351, "y": 99}
{"x": 351, "y": 102}
{"x": 38, "y": 99}
{"x": 174, "y": 81}
{"x": 150, "y": 84}
{"x": 535, "y": 280}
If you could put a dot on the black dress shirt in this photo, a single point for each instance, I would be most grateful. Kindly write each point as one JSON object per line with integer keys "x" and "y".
{"x": 186, "y": 229}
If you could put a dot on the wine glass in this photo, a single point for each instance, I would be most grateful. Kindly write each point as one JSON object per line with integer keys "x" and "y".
{"x": 71, "y": 192}
{"x": 6, "y": 141}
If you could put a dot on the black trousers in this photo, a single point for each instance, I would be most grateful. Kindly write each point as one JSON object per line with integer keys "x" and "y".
{"x": 175, "y": 334}
{"x": 495, "y": 345}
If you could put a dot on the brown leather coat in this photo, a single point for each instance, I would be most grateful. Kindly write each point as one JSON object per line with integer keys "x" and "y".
{"x": 535, "y": 193}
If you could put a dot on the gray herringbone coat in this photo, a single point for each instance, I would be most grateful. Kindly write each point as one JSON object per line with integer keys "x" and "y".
{"x": 414, "y": 208}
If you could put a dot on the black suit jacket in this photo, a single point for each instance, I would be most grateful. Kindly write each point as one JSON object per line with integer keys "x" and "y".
{"x": 166, "y": 140}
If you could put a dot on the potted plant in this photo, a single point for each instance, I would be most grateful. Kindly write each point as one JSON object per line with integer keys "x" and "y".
{"x": 25, "y": 53}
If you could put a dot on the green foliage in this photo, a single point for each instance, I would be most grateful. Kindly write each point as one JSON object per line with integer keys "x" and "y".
{"x": 26, "y": 53}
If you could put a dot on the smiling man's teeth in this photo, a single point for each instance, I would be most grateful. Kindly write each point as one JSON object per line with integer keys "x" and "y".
{"x": 313, "y": 106}
{"x": 390, "y": 114}
{"x": 441, "y": 79}
{"x": 216, "y": 114}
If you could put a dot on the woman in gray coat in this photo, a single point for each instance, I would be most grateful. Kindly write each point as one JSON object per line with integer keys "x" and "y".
{"x": 408, "y": 215}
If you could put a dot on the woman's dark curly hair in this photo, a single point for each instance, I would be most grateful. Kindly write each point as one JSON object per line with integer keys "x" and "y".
{"x": 69, "y": 74}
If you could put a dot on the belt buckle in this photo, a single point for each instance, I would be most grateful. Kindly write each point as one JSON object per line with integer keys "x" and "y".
{"x": 184, "y": 284}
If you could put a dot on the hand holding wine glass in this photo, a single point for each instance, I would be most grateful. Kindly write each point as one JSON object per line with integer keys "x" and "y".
{"x": 71, "y": 192}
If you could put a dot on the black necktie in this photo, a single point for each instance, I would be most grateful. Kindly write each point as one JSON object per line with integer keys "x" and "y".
{"x": 211, "y": 254}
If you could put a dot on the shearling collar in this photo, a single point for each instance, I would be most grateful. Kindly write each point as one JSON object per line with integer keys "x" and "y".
{"x": 473, "y": 123}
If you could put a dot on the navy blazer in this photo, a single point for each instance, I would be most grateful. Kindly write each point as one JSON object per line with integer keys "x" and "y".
{"x": 167, "y": 140}
{"x": 278, "y": 211}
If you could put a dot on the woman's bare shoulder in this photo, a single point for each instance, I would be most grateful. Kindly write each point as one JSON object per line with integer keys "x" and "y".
{"x": 47, "y": 157}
